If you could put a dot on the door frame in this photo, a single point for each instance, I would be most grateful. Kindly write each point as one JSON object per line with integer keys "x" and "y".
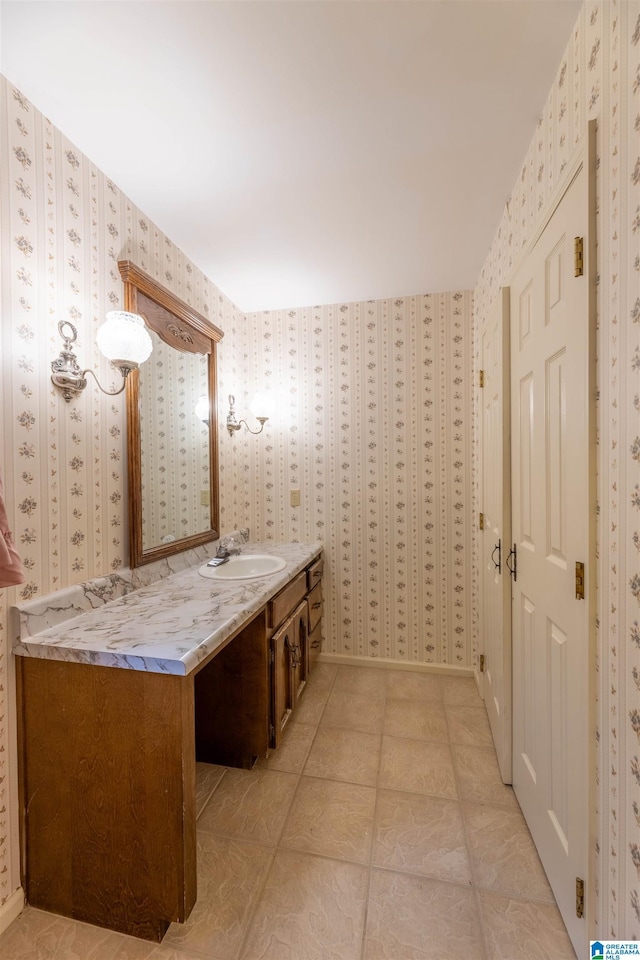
{"x": 501, "y": 308}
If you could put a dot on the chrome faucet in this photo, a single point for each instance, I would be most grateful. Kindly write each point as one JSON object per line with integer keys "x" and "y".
{"x": 228, "y": 547}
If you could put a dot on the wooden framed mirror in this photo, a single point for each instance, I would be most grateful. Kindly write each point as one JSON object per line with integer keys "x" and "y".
{"x": 172, "y": 452}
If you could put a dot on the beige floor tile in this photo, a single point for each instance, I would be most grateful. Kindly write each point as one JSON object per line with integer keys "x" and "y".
{"x": 365, "y": 681}
{"x": 283, "y": 858}
{"x": 423, "y": 835}
{"x": 415, "y": 720}
{"x": 37, "y": 935}
{"x": 344, "y": 755}
{"x": 479, "y": 776}
{"x": 523, "y": 930}
{"x": 249, "y": 805}
{"x": 469, "y": 726}
{"x": 292, "y": 752}
{"x": 503, "y": 854}
{"x": 404, "y": 685}
{"x": 417, "y": 766}
{"x": 311, "y": 909}
{"x": 322, "y": 675}
{"x": 415, "y": 918}
{"x": 461, "y": 691}
{"x": 353, "y": 711}
{"x": 208, "y": 776}
{"x": 132, "y": 949}
{"x": 332, "y": 819}
{"x": 311, "y": 705}
{"x": 230, "y": 877}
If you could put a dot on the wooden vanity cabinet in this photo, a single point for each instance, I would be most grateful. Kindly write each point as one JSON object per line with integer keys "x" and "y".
{"x": 107, "y": 794}
{"x": 246, "y": 693}
{"x": 289, "y": 657}
{"x": 107, "y": 760}
{"x": 295, "y": 616}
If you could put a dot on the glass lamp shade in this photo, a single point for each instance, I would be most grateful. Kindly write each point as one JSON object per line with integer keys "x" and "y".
{"x": 201, "y": 409}
{"x": 261, "y": 406}
{"x": 123, "y": 338}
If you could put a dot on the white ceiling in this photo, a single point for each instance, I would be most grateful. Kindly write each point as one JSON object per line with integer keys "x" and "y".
{"x": 301, "y": 152}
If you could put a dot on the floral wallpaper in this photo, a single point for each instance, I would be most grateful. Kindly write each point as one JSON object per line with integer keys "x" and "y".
{"x": 372, "y": 425}
{"x": 599, "y": 77}
{"x": 64, "y": 227}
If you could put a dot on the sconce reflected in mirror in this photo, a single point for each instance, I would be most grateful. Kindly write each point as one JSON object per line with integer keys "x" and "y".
{"x": 260, "y": 409}
{"x": 201, "y": 409}
{"x": 123, "y": 339}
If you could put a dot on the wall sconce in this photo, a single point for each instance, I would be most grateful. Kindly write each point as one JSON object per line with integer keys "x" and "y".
{"x": 258, "y": 404}
{"x": 123, "y": 339}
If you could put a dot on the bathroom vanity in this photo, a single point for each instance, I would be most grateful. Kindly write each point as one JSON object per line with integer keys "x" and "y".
{"x": 121, "y": 688}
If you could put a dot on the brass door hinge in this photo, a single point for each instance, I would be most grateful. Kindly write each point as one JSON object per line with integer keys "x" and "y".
{"x": 578, "y": 257}
{"x": 579, "y": 580}
{"x": 482, "y": 663}
{"x": 481, "y": 521}
{"x": 579, "y": 898}
{"x": 481, "y": 378}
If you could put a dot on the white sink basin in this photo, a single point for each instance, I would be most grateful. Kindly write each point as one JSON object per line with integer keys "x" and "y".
{"x": 248, "y": 566}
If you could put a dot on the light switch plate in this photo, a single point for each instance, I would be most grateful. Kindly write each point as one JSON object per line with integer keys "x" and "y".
{"x": 294, "y": 498}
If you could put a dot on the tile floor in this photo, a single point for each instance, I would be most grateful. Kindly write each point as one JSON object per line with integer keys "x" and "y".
{"x": 380, "y": 829}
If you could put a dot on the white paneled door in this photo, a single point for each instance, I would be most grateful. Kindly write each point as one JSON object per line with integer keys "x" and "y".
{"x": 495, "y": 537}
{"x": 552, "y": 414}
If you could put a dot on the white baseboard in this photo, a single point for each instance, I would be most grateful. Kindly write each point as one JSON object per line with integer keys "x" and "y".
{"x": 445, "y": 669}
{"x": 11, "y": 909}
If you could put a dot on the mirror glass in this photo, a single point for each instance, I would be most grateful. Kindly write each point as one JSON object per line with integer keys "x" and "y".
{"x": 174, "y": 445}
{"x": 172, "y": 448}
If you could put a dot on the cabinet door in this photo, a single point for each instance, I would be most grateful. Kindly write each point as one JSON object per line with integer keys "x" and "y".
{"x": 300, "y": 653}
{"x": 283, "y": 644}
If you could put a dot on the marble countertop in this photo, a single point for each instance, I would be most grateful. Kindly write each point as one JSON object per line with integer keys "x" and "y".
{"x": 169, "y": 626}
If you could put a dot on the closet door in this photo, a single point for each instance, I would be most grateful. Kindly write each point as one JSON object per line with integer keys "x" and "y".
{"x": 553, "y": 460}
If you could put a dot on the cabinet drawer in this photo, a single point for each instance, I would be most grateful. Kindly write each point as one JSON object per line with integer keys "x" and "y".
{"x": 314, "y": 573}
{"x": 282, "y": 605}
{"x": 315, "y": 607}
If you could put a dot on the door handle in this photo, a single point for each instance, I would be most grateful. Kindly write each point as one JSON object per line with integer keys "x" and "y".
{"x": 513, "y": 569}
{"x": 497, "y": 547}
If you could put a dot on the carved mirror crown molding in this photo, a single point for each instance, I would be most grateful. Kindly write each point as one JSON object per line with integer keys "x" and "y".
{"x": 187, "y": 332}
